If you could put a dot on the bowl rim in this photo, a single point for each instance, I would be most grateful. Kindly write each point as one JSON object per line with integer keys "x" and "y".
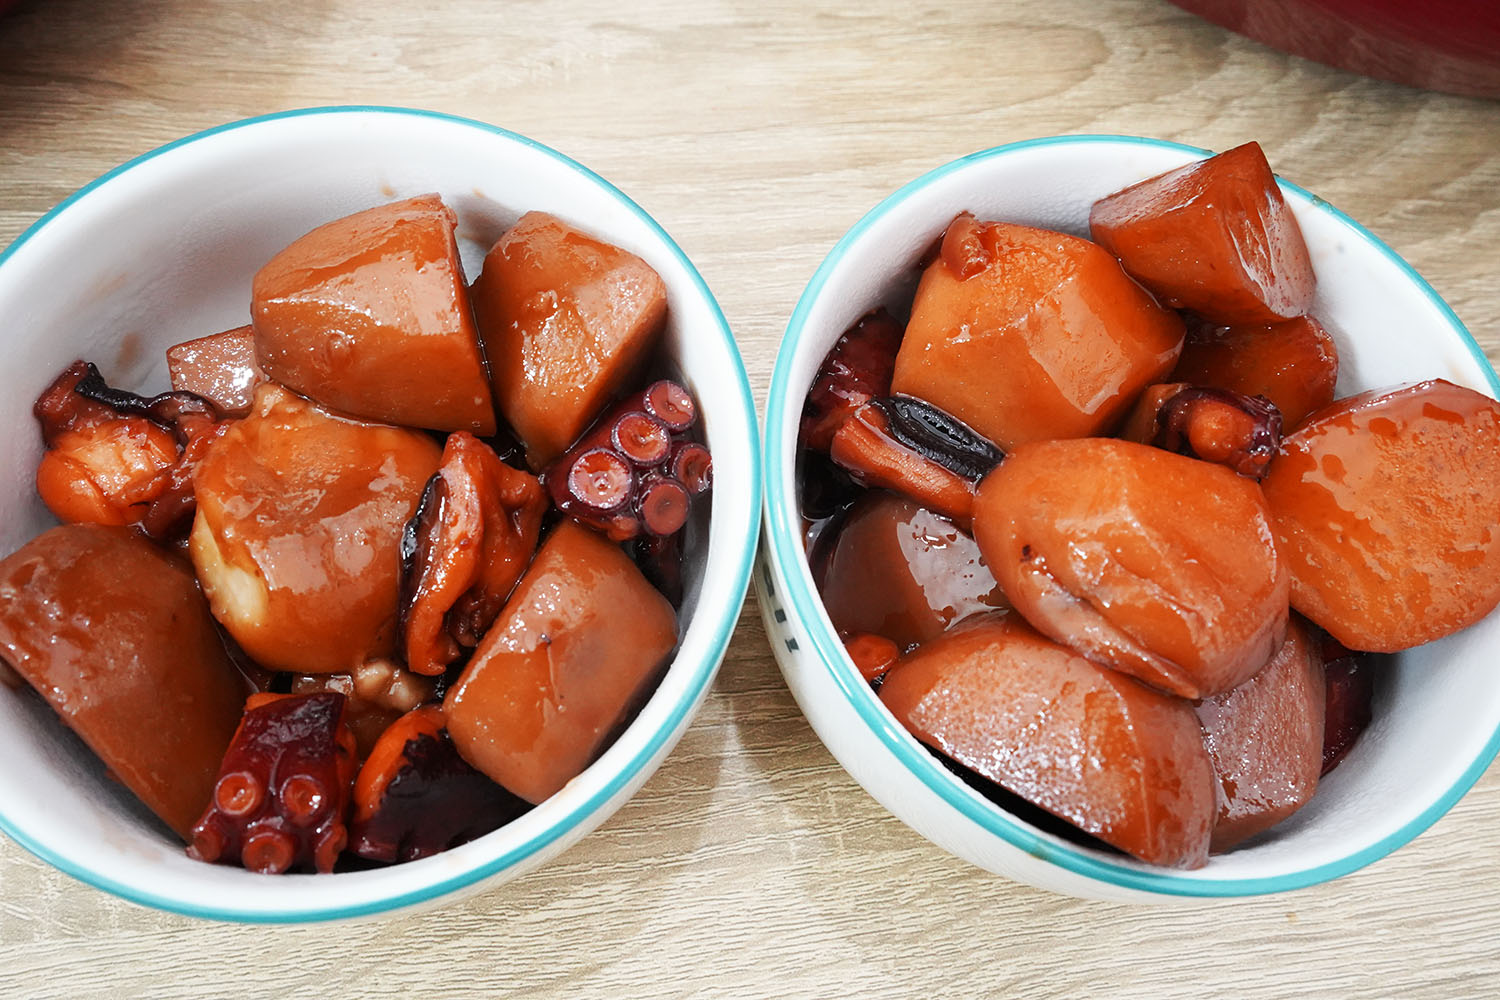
{"x": 782, "y": 527}
{"x": 702, "y": 673}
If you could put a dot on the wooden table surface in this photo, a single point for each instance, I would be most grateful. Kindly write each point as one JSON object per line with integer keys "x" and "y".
{"x": 751, "y": 865}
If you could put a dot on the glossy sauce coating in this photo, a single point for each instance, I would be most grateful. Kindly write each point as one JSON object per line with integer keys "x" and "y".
{"x": 1156, "y": 564}
{"x": 114, "y": 633}
{"x": 220, "y": 368}
{"x": 1045, "y": 338}
{"x": 578, "y": 644}
{"x": 1294, "y": 364}
{"x": 1108, "y": 754}
{"x": 369, "y": 316}
{"x": 298, "y": 531}
{"x": 1265, "y": 738}
{"x": 566, "y": 321}
{"x": 1214, "y": 236}
{"x": 1387, "y": 511}
{"x": 900, "y": 571}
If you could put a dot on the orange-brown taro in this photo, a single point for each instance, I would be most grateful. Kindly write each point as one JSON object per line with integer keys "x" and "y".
{"x": 1027, "y": 335}
{"x": 463, "y": 552}
{"x": 298, "y": 532}
{"x": 1156, "y": 564}
{"x": 1214, "y": 236}
{"x": 1294, "y": 364}
{"x": 1387, "y": 513}
{"x": 1108, "y": 754}
{"x": 566, "y": 321}
{"x": 369, "y": 316}
{"x": 113, "y": 632}
{"x": 1266, "y": 740}
{"x": 578, "y": 645}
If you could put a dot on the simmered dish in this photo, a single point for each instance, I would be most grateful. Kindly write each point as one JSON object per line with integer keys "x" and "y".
{"x": 387, "y": 566}
{"x": 1091, "y": 521}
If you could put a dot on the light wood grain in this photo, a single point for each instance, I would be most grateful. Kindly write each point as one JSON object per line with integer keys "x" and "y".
{"x": 756, "y": 133}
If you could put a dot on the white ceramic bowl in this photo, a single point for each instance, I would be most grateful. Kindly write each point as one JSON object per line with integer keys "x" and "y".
{"x": 162, "y": 249}
{"x": 1437, "y": 709}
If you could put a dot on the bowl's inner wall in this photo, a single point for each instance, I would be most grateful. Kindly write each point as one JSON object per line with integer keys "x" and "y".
{"x": 1438, "y": 706}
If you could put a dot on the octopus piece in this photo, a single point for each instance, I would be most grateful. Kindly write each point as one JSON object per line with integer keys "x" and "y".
{"x": 415, "y": 797}
{"x": 1350, "y": 691}
{"x": 1265, "y": 738}
{"x": 858, "y": 369}
{"x": 1155, "y": 564}
{"x": 297, "y": 539}
{"x": 221, "y": 368}
{"x": 635, "y": 472}
{"x": 116, "y": 458}
{"x": 282, "y": 794}
{"x": 463, "y": 551}
{"x": 1086, "y": 743}
{"x": 369, "y": 316}
{"x": 1388, "y": 516}
{"x": 911, "y": 447}
{"x": 567, "y": 321}
{"x": 1237, "y": 431}
{"x": 578, "y": 646}
{"x": 1215, "y": 237}
{"x": 1028, "y": 335}
{"x": 112, "y": 631}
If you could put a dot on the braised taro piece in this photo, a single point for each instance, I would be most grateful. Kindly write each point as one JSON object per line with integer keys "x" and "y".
{"x": 415, "y": 796}
{"x": 567, "y": 321}
{"x": 463, "y": 551}
{"x": 1350, "y": 691}
{"x": 579, "y": 644}
{"x": 1294, "y": 364}
{"x": 857, "y": 369}
{"x": 298, "y": 533}
{"x": 909, "y": 446}
{"x": 635, "y": 472}
{"x": 114, "y": 457}
{"x": 220, "y": 368}
{"x": 1155, "y": 564}
{"x": 1027, "y": 335}
{"x": 872, "y": 655}
{"x": 376, "y": 694}
{"x": 1386, "y": 509}
{"x": 1086, "y": 743}
{"x": 369, "y": 316}
{"x": 113, "y": 632}
{"x": 1239, "y": 432}
{"x": 1215, "y": 237}
{"x": 899, "y": 570}
{"x": 282, "y": 795}
{"x": 1265, "y": 738}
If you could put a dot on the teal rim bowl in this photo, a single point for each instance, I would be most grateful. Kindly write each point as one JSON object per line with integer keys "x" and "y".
{"x": 1050, "y": 182}
{"x": 262, "y": 182}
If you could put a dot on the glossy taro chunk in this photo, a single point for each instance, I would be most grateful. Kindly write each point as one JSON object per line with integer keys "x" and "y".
{"x": 114, "y": 457}
{"x": 464, "y": 550}
{"x": 369, "y": 316}
{"x": 567, "y": 320}
{"x": 283, "y": 790}
{"x": 1155, "y": 564}
{"x": 221, "y": 368}
{"x": 1086, "y": 743}
{"x": 298, "y": 532}
{"x": 1215, "y": 236}
{"x": 635, "y": 472}
{"x": 113, "y": 632}
{"x": 415, "y": 796}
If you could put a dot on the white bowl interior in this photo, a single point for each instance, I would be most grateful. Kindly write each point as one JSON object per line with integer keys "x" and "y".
{"x": 1438, "y": 707}
{"x": 163, "y": 250}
